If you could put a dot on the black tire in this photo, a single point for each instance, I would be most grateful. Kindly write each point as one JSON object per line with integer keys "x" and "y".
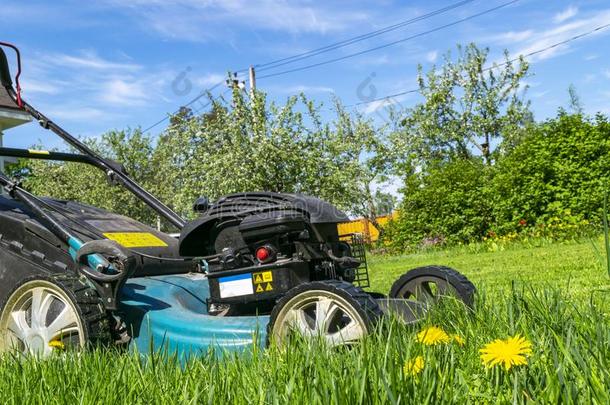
{"x": 447, "y": 280}
{"x": 91, "y": 319}
{"x": 353, "y": 302}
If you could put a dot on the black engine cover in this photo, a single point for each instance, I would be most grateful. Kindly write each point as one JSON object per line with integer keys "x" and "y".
{"x": 267, "y": 210}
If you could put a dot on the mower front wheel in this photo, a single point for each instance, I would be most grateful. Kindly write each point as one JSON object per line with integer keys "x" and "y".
{"x": 336, "y": 312}
{"x": 44, "y": 314}
{"x": 428, "y": 284}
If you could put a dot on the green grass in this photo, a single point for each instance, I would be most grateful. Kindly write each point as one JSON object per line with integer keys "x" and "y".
{"x": 577, "y": 268}
{"x": 550, "y": 304}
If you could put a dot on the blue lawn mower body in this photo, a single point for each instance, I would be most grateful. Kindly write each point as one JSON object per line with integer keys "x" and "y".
{"x": 169, "y": 314}
{"x": 250, "y": 269}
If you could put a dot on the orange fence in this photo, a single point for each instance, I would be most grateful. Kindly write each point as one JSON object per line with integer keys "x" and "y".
{"x": 364, "y": 227}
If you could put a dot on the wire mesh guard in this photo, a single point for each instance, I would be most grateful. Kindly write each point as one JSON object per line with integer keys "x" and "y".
{"x": 357, "y": 245}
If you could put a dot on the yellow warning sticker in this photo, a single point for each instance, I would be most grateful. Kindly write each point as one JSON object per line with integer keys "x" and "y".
{"x": 135, "y": 239}
{"x": 262, "y": 277}
{"x": 38, "y": 152}
{"x": 259, "y": 288}
{"x": 269, "y": 287}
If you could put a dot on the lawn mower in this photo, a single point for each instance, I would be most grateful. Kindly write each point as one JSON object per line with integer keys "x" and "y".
{"x": 252, "y": 268}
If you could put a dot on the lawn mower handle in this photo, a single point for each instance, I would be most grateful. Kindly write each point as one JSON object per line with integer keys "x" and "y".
{"x": 57, "y": 156}
{"x": 109, "y": 168}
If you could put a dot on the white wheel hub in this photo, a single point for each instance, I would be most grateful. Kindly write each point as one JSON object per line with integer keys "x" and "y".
{"x": 320, "y": 314}
{"x": 38, "y": 318}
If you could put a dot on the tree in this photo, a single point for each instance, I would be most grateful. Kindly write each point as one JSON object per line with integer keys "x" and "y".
{"x": 468, "y": 108}
{"x": 370, "y": 165}
{"x": 472, "y": 114}
{"x": 76, "y": 181}
{"x": 249, "y": 144}
{"x": 242, "y": 145}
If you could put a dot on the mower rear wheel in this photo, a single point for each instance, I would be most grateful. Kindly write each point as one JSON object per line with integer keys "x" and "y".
{"x": 337, "y": 312}
{"x": 44, "y": 314}
{"x": 430, "y": 283}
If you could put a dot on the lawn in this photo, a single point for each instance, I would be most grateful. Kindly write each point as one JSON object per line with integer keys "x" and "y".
{"x": 577, "y": 268}
{"x": 549, "y": 304}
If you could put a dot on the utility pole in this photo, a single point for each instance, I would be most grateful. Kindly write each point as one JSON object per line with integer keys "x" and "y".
{"x": 252, "y": 77}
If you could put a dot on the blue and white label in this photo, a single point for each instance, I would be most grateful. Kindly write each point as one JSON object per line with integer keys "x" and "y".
{"x": 234, "y": 286}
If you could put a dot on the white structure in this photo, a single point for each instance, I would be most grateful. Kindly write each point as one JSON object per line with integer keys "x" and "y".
{"x": 10, "y": 116}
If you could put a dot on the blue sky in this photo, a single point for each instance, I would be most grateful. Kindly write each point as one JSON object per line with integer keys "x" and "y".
{"x": 111, "y": 64}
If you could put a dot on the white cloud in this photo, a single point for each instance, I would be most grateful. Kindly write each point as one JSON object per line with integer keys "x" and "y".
{"x": 30, "y": 86}
{"x": 209, "y": 79}
{"x": 200, "y": 20}
{"x": 375, "y": 105}
{"x": 591, "y": 57}
{"x": 590, "y": 77}
{"x": 121, "y": 92}
{"x": 513, "y": 36}
{"x": 374, "y": 60}
{"x": 90, "y": 60}
{"x": 308, "y": 89}
{"x": 532, "y": 40}
{"x": 432, "y": 56}
{"x": 380, "y": 105}
{"x": 565, "y": 14}
{"x": 98, "y": 84}
{"x": 545, "y": 38}
{"x": 76, "y": 113}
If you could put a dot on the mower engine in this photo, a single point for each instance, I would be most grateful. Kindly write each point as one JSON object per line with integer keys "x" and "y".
{"x": 264, "y": 244}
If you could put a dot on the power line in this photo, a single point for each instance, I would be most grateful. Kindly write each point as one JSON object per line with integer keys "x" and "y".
{"x": 340, "y": 44}
{"x": 197, "y": 111}
{"x": 314, "y": 52}
{"x": 193, "y": 101}
{"x": 358, "y": 38}
{"x": 495, "y": 66}
{"x": 490, "y": 10}
{"x": 199, "y": 96}
{"x": 415, "y": 90}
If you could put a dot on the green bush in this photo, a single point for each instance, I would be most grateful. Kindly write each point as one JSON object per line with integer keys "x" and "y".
{"x": 556, "y": 177}
{"x": 550, "y": 185}
{"x": 447, "y": 205}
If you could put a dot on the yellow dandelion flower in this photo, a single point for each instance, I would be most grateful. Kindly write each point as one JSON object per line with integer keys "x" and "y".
{"x": 512, "y": 351}
{"x": 414, "y": 366}
{"x": 433, "y": 335}
{"x": 458, "y": 339}
{"x": 56, "y": 344}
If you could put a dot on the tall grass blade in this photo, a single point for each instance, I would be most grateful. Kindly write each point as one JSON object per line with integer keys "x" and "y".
{"x": 606, "y": 238}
